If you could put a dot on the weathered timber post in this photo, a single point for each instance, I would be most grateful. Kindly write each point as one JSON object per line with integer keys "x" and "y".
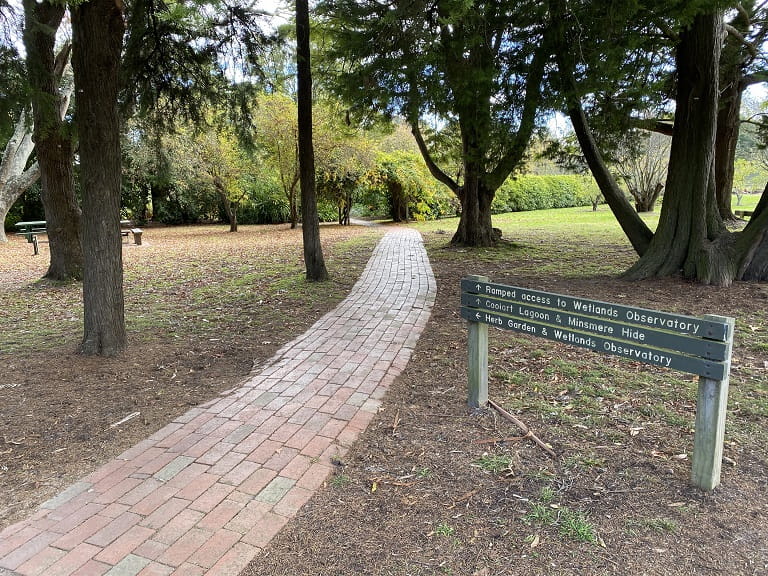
{"x": 689, "y": 344}
{"x": 477, "y": 361}
{"x": 709, "y": 433}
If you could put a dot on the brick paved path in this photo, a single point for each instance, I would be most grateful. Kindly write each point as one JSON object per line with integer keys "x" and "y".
{"x": 204, "y": 494}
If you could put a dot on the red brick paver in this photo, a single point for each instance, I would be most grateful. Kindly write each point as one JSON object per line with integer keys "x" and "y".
{"x": 205, "y": 494}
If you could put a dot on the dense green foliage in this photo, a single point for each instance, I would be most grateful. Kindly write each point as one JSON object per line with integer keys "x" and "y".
{"x": 526, "y": 193}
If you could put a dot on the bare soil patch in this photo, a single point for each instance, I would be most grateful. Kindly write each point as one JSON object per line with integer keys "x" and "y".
{"x": 431, "y": 488}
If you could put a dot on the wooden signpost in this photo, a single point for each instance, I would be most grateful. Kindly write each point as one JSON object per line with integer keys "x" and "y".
{"x": 700, "y": 346}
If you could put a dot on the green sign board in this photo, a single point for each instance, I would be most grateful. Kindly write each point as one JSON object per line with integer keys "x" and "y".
{"x": 685, "y": 343}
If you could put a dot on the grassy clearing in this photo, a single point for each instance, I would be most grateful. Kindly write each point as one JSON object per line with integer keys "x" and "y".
{"x": 186, "y": 280}
{"x": 575, "y": 242}
{"x": 748, "y": 202}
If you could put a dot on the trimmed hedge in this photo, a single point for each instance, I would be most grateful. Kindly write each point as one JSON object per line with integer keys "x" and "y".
{"x": 543, "y": 192}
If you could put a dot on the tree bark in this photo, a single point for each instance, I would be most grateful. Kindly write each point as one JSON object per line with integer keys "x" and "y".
{"x": 53, "y": 141}
{"x": 475, "y": 227}
{"x": 728, "y": 118}
{"x": 734, "y": 60}
{"x": 690, "y": 236}
{"x": 97, "y": 33}
{"x": 15, "y": 177}
{"x": 313, "y": 253}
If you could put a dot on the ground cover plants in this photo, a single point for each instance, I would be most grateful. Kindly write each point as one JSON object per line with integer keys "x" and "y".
{"x": 430, "y": 487}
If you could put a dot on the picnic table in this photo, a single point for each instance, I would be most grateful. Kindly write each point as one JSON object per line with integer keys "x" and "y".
{"x": 32, "y": 228}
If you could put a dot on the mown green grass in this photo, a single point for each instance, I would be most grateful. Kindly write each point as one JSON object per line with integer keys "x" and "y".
{"x": 747, "y": 202}
{"x": 545, "y": 242}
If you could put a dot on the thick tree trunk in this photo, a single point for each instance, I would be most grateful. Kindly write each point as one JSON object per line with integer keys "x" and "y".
{"x": 397, "y": 200}
{"x": 475, "y": 227}
{"x": 734, "y": 60}
{"x": 313, "y": 252}
{"x": 15, "y": 177}
{"x": 53, "y": 142}
{"x": 725, "y": 145}
{"x": 690, "y": 236}
{"x": 97, "y": 33}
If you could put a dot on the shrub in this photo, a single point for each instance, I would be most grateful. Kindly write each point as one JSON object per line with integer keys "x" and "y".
{"x": 266, "y": 204}
{"x": 542, "y": 192}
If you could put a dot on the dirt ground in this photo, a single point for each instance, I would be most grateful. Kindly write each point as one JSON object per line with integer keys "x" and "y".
{"x": 61, "y": 413}
{"x": 418, "y": 494}
{"x": 414, "y": 499}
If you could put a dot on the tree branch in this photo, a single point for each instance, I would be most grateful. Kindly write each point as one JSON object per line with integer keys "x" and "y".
{"x": 653, "y": 125}
{"x": 740, "y": 37}
{"x": 528, "y": 119}
{"x": 434, "y": 169}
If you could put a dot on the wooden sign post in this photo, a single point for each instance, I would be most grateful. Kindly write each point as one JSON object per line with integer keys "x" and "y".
{"x": 689, "y": 344}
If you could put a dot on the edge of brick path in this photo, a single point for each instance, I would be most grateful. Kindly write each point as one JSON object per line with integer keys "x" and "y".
{"x": 206, "y": 493}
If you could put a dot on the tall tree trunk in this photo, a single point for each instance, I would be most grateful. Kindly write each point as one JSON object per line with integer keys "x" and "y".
{"x": 15, "y": 177}
{"x": 690, "y": 236}
{"x": 230, "y": 208}
{"x": 313, "y": 253}
{"x": 97, "y": 34}
{"x": 53, "y": 141}
{"x": 475, "y": 227}
{"x": 398, "y": 200}
{"x": 728, "y": 120}
{"x": 633, "y": 226}
{"x": 294, "y": 209}
{"x": 734, "y": 59}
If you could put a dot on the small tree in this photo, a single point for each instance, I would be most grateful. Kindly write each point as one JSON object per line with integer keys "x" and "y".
{"x": 641, "y": 163}
{"x": 277, "y": 134}
{"x": 223, "y": 164}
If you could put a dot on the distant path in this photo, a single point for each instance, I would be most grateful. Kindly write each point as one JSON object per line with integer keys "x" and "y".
{"x": 206, "y": 493}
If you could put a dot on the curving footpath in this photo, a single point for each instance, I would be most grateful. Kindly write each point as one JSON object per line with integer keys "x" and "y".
{"x": 206, "y": 493}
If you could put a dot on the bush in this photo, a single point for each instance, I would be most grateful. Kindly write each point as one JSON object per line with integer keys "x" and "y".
{"x": 266, "y": 204}
{"x": 542, "y": 192}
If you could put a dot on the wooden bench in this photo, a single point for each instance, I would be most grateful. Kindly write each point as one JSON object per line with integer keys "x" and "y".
{"x": 743, "y": 213}
{"x": 127, "y": 228}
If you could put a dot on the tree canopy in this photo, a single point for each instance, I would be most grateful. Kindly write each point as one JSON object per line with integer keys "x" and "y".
{"x": 480, "y": 65}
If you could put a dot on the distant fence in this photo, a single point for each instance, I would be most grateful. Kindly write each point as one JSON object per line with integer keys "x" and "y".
{"x": 700, "y": 346}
